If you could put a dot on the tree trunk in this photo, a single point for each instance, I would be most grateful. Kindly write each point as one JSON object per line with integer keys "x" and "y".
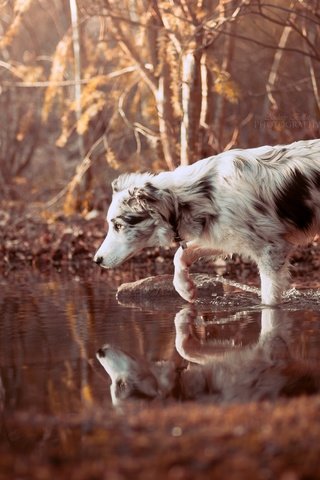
{"x": 191, "y": 106}
{"x": 166, "y": 118}
{"x": 78, "y": 196}
{"x": 221, "y": 103}
{"x": 273, "y": 74}
{"x": 77, "y": 67}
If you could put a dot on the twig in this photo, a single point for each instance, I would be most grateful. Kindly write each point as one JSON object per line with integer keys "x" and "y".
{"x": 63, "y": 83}
{"x": 80, "y": 171}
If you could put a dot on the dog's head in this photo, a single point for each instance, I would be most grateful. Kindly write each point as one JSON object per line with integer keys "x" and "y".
{"x": 133, "y": 378}
{"x": 137, "y": 218}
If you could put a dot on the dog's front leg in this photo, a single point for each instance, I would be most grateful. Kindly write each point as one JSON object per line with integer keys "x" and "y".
{"x": 181, "y": 279}
{"x": 184, "y": 257}
{"x": 274, "y": 273}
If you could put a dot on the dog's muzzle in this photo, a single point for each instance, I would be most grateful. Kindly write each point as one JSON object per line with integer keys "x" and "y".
{"x": 98, "y": 259}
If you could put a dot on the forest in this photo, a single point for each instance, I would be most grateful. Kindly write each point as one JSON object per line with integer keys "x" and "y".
{"x": 91, "y": 89}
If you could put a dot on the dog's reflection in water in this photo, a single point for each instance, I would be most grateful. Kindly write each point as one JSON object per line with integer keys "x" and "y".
{"x": 220, "y": 373}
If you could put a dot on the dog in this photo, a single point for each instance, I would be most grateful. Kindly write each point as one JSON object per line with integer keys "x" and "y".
{"x": 218, "y": 371}
{"x": 259, "y": 203}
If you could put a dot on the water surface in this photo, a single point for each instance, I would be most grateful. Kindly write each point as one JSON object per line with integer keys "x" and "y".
{"x": 52, "y": 327}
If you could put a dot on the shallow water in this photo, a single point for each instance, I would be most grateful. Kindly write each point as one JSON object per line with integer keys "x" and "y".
{"x": 50, "y": 331}
{"x": 52, "y": 327}
{"x": 56, "y": 414}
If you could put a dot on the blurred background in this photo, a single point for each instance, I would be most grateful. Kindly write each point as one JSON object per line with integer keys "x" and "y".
{"x": 92, "y": 89}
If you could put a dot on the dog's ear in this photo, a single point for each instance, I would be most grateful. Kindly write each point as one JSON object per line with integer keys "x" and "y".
{"x": 122, "y": 182}
{"x": 115, "y": 185}
{"x": 148, "y": 193}
{"x": 143, "y": 197}
{"x": 131, "y": 181}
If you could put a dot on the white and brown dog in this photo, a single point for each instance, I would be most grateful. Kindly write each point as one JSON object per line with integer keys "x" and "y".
{"x": 258, "y": 202}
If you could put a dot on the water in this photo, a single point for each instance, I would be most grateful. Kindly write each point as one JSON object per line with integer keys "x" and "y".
{"x": 55, "y": 394}
{"x": 52, "y": 327}
{"x": 50, "y": 331}
{"x": 57, "y": 419}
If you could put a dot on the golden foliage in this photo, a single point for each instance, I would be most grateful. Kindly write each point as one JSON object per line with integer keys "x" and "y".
{"x": 224, "y": 85}
{"x": 96, "y": 105}
{"x": 19, "y": 9}
{"x": 132, "y": 55}
{"x": 176, "y": 18}
{"x": 175, "y": 80}
{"x": 92, "y": 102}
{"x": 60, "y": 62}
{"x": 71, "y": 203}
{"x": 227, "y": 89}
{"x": 111, "y": 158}
{"x": 86, "y": 394}
{"x": 25, "y": 124}
{"x": 21, "y": 6}
{"x": 29, "y": 73}
{"x": 67, "y": 125}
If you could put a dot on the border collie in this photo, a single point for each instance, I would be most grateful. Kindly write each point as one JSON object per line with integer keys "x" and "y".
{"x": 258, "y": 202}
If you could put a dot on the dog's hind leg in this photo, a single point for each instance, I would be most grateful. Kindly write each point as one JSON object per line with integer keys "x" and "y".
{"x": 274, "y": 273}
{"x": 184, "y": 257}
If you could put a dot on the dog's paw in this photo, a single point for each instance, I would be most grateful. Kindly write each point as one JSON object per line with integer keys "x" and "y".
{"x": 185, "y": 286}
{"x": 185, "y": 317}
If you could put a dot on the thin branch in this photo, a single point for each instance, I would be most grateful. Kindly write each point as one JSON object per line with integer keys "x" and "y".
{"x": 66, "y": 83}
{"x": 145, "y": 131}
{"x": 303, "y": 34}
{"x": 124, "y": 116}
{"x": 128, "y": 47}
{"x": 313, "y": 75}
{"x": 11, "y": 68}
{"x": 121, "y": 18}
{"x": 289, "y": 23}
{"x": 278, "y": 7}
{"x": 80, "y": 171}
{"x": 272, "y": 47}
{"x": 236, "y": 131}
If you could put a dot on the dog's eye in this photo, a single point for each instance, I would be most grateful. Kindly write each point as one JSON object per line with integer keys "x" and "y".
{"x": 121, "y": 384}
{"x": 117, "y": 226}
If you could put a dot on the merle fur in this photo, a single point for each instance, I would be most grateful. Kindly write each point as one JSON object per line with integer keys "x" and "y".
{"x": 258, "y": 203}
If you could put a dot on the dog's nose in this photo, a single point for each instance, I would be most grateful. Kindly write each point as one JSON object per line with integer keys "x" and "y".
{"x": 101, "y": 353}
{"x": 98, "y": 260}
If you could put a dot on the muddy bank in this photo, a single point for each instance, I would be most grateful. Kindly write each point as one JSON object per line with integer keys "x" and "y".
{"x": 249, "y": 442}
{"x": 69, "y": 243}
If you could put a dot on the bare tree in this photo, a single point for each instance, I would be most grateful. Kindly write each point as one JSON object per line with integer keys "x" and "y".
{"x": 151, "y": 84}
